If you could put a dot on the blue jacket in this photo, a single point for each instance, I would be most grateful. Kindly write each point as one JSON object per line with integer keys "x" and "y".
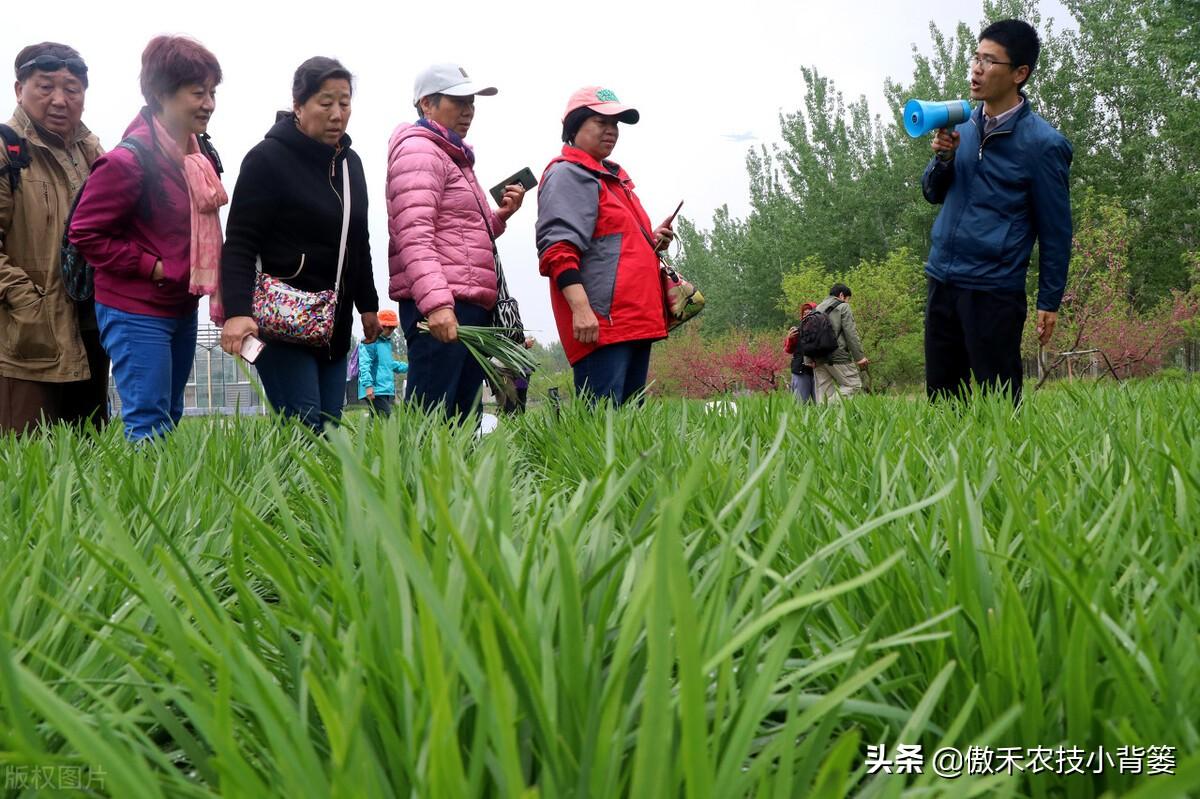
{"x": 377, "y": 367}
{"x": 998, "y": 196}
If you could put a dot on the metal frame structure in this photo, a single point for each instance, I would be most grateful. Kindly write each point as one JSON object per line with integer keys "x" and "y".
{"x": 219, "y": 384}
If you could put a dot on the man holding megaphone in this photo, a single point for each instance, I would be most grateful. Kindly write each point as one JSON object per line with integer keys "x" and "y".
{"x": 1002, "y": 178}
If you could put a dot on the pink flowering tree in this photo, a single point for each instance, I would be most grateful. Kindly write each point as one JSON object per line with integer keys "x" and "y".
{"x": 689, "y": 365}
{"x": 1100, "y": 310}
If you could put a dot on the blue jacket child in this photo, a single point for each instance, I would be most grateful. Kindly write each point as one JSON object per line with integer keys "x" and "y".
{"x": 377, "y": 367}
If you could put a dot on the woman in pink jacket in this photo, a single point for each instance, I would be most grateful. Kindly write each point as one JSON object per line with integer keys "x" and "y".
{"x": 441, "y": 232}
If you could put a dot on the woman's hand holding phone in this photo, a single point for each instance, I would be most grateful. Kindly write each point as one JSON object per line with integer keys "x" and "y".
{"x": 663, "y": 234}
{"x": 510, "y": 203}
{"x": 235, "y": 332}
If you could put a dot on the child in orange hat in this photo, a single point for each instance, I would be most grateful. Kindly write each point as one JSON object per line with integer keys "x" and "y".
{"x": 378, "y": 365}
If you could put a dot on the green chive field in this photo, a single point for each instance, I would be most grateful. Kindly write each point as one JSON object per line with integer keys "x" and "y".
{"x": 652, "y": 602}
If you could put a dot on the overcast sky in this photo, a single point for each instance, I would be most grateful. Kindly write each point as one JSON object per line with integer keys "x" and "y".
{"x": 709, "y": 80}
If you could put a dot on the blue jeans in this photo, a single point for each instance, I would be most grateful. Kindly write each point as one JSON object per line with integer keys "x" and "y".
{"x": 302, "y": 383}
{"x": 803, "y": 387}
{"x": 616, "y": 372}
{"x": 152, "y": 358}
{"x": 443, "y": 375}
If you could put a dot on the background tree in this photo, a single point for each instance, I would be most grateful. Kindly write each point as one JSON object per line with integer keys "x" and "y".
{"x": 1097, "y": 310}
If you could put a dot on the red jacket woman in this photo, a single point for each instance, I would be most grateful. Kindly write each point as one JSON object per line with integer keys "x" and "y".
{"x": 596, "y": 245}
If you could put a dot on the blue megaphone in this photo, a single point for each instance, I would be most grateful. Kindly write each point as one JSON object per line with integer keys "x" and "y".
{"x": 922, "y": 116}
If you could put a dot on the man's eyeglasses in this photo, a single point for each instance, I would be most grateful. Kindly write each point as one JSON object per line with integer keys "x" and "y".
{"x": 49, "y": 63}
{"x": 986, "y": 61}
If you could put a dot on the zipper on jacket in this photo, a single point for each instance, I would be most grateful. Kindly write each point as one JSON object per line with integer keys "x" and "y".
{"x": 967, "y": 200}
{"x": 332, "y": 174}
{"x": 983, "y": 141}
{"x": 79, "y": 175}
{"x": 961, "y": 209}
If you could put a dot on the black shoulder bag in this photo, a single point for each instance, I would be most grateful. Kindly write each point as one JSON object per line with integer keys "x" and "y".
{"x": 507, "y": 314}
{"x": 77, "y": 274}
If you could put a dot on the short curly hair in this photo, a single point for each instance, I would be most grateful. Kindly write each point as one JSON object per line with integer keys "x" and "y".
{"x": 170, "y": 62}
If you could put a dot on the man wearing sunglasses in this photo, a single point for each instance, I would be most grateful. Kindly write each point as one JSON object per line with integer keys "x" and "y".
{"x": 1003, "y": 179}
{"x": 52, "y": 367}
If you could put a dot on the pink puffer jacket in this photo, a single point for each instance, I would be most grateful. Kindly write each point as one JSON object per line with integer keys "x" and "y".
{"x": 438, "y": 248}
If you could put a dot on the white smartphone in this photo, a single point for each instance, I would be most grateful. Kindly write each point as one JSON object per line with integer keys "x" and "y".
{"x": 252, "y": 347}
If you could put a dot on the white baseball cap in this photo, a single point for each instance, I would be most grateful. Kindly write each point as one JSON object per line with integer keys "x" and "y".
{"x": 447, "y": 79}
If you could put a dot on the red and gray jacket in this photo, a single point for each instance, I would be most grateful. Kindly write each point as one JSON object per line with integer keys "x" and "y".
{"x": 591, "y": 229}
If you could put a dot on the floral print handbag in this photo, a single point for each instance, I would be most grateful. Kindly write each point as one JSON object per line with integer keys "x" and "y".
{"x": 681, "y": 299}
{"x": 289, "y": 314}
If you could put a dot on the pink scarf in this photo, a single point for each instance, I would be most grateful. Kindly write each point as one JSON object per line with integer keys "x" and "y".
{"x": 207, "y": 196}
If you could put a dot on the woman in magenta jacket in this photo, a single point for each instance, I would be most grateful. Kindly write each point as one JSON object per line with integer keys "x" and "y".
{"x": 441, "y": 228}
{"x": 147, "y": 221}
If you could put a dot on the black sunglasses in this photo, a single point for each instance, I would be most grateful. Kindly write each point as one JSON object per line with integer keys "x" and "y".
{"x": 49, "y": 63}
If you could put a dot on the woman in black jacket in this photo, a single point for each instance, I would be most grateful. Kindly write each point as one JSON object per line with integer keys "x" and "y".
{"x": 286, "y": 216}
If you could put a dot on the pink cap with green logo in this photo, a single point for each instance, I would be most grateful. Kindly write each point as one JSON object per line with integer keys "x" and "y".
{"x": 602, "y": 101}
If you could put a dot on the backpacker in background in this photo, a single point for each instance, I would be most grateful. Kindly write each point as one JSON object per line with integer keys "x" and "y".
{"x": 818, "y": 339}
